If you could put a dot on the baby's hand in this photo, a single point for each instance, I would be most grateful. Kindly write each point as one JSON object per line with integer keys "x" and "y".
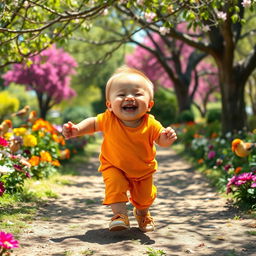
{"x": 70, "y": 130}
{"x": 170, "y": 134}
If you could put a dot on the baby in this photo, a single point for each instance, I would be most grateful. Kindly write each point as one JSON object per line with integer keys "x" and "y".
{"x": 127, "y": 158}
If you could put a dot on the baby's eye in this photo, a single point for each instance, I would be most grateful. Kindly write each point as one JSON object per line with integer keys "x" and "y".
{"x": 138, "y": 94}
{"x": 121, "y": 95}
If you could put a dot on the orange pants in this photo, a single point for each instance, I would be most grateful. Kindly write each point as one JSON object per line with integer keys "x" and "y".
{"x": 142, "y": 191}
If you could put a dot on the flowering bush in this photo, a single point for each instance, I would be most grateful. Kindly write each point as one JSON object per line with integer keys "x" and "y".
{"x": 231, "y": 173}
{"x": 7, "y": 243}
{"x": 13, "y": 169}
{"x": 33, "y": 150}
{"x": 243, "y": 186}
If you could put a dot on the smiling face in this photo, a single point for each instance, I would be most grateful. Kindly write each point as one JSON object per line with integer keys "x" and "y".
{"x": 130, "y": 98}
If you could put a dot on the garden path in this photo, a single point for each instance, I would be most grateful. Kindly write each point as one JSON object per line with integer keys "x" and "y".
{"x": 191, "y": 219}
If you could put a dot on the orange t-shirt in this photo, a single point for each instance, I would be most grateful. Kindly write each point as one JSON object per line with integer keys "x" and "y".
{"x": 130, "y": 149}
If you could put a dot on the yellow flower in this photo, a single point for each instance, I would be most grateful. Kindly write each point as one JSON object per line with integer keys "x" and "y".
{"x": 41, "y": 134}
{"x": 29, "y": 140}
{"x": 45, "y": 156}
{"x": 8, "y": 135}
{"x": 20, "y": 131}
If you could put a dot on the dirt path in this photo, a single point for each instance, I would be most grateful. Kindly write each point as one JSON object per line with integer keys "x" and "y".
{"x": 191, "y": 219}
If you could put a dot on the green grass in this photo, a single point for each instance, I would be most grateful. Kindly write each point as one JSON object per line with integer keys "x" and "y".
{"x": 251, "y": 232}
{"x": 70, "y": 166}
{"x": 155, "y": 252}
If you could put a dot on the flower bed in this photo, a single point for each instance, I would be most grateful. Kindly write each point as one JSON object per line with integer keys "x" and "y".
{"x": 32, "y": 150}
{"x": 220, "y": 161}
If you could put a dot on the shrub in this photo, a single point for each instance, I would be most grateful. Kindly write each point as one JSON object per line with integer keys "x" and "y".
{"x": 252, "y": 122}
{"x": 76, "y": 114}
{"x": 213, "y": 115}
{"x": 165, "y": 108}
{"x": 186, "y": 116}
{"x": 8, "y": 104}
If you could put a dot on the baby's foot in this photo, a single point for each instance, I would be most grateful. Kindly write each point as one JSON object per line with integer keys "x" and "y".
{"x": 119, "y": 222}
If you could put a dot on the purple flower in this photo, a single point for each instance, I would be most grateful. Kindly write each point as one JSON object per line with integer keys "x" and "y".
{"x": 211, "y": 154}
{"x": 2, "y": 189}
{"x": 28, "y": 175}
{"x": 227, "y": 166}
{"x": 210, "y": 147}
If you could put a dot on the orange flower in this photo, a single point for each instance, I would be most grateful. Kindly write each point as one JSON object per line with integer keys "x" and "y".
{"x": 62, "y": 141}
{"x": 34, "y": 160}
{"x": 41, "y": 124}
{"x": 238, "y": 169}
{"x": 200, "y": 161}
{"x": 65, "y": 154}
{"x": 55, "y": 138}
{"x": 197, "y": 136}
{"x": 56, "y": 163}
{"x": 45, "y": 156}
{"x": 214, "y": 135}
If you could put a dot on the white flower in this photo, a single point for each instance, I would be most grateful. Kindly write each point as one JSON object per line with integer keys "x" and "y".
{"x": 150, "y": 16}
{"x": 163, "y": 30}
{"x": 246, "y": 3}
{"x": 5, "y": 169}
{"x": 123, "y": 1}
{"x": 206, "y": 28}
{"x": 222, "y": 15}
{"x": 222, "y": 141}
{"x": 228, "y": 135}
{"x": 105, "y": 12}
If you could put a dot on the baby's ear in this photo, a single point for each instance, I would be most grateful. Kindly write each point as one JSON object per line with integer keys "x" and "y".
{"x": 108, "y": 104}
{"x": 150, "y": 105}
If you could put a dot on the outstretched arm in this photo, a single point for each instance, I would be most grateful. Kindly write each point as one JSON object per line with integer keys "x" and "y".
{"x": 87, "y": 126}
{"x": 166, "y": 137}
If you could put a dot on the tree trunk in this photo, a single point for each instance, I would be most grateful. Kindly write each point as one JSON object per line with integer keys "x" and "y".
{"x": 183, "y": 97}
{"x": 233, "y": 102}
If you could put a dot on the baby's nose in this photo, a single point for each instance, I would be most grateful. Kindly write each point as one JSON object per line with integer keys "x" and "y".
{"x": 129, "y": 98}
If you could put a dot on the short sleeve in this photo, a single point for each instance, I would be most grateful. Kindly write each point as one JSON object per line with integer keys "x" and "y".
{"x": 156, "y": 127}
{"x": 100, "y": 121}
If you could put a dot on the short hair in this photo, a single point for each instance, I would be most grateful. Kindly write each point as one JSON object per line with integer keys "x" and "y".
{"x": 128, "y": 70}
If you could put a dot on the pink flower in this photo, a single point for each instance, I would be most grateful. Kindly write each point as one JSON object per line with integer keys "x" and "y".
{"x": 2, "y": 189}
{"x": 211, "y": 154}
{"x": 3, "y": 142}
{"x": 222, "y": 15}
{"x": 246, "y": 3}
{"x": 7, "y": 241}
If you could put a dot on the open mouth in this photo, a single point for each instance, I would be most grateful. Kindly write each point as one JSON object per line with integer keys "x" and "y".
{"x": 129, "y": 108}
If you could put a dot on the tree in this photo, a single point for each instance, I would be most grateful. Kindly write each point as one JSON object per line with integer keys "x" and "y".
{"x": 48, "y": 74}
{"x": 222, "y": 25}
{"x": 29, "y": 26}
{"x": 171, "y": 63}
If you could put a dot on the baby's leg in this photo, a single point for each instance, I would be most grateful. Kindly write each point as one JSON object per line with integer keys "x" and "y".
{"x": 119, "y": 208}
{"x": 143, "y": 194}
{"x": 116, "y": 187}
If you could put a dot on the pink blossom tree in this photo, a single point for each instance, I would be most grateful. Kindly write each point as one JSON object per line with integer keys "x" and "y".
{"x": 48, "y": 74}
{"x": 171, "y": 63}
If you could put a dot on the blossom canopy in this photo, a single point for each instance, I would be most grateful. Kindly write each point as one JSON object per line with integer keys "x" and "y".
{"x": 49, "y": 72}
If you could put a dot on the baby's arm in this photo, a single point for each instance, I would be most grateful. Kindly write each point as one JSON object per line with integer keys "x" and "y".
{"x": 87, "y": 126}
{"x": 166, "y": 137}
